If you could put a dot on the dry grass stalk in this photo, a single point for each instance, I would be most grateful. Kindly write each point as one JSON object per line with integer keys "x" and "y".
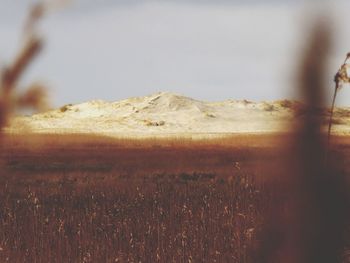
{"x": 340, "y": 78}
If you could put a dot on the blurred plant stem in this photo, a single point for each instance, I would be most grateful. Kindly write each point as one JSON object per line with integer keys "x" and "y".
{"x": 10, "y": 75}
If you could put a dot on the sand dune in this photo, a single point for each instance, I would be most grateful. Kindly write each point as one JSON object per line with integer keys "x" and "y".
{"x": 167, "y": 113}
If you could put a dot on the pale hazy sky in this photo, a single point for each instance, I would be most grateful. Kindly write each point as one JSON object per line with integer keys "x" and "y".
{"x": 209, "y": 49}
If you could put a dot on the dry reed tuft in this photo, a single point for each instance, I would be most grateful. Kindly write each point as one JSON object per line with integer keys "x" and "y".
{"x": 340, "y": 78}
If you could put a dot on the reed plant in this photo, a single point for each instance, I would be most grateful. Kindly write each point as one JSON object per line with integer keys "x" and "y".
{"x": 340, "y": 78}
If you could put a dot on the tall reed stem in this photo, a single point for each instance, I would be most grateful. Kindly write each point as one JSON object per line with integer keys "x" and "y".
{"x": 331, "y": 114}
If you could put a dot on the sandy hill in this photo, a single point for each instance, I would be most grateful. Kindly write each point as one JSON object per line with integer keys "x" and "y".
{"x": 168, "y": 113}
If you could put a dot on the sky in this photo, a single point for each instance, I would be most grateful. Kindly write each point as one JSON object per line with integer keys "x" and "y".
{"x": 204, "y": 49}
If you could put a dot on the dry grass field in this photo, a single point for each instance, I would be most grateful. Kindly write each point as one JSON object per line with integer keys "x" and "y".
{"x": 83, "y": 198}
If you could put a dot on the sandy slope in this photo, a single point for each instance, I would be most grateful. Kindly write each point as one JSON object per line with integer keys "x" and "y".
{"x": 167, "y": 113}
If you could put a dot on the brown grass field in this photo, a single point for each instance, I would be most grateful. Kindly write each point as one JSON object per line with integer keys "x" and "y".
{"x": 84, "y": 198}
